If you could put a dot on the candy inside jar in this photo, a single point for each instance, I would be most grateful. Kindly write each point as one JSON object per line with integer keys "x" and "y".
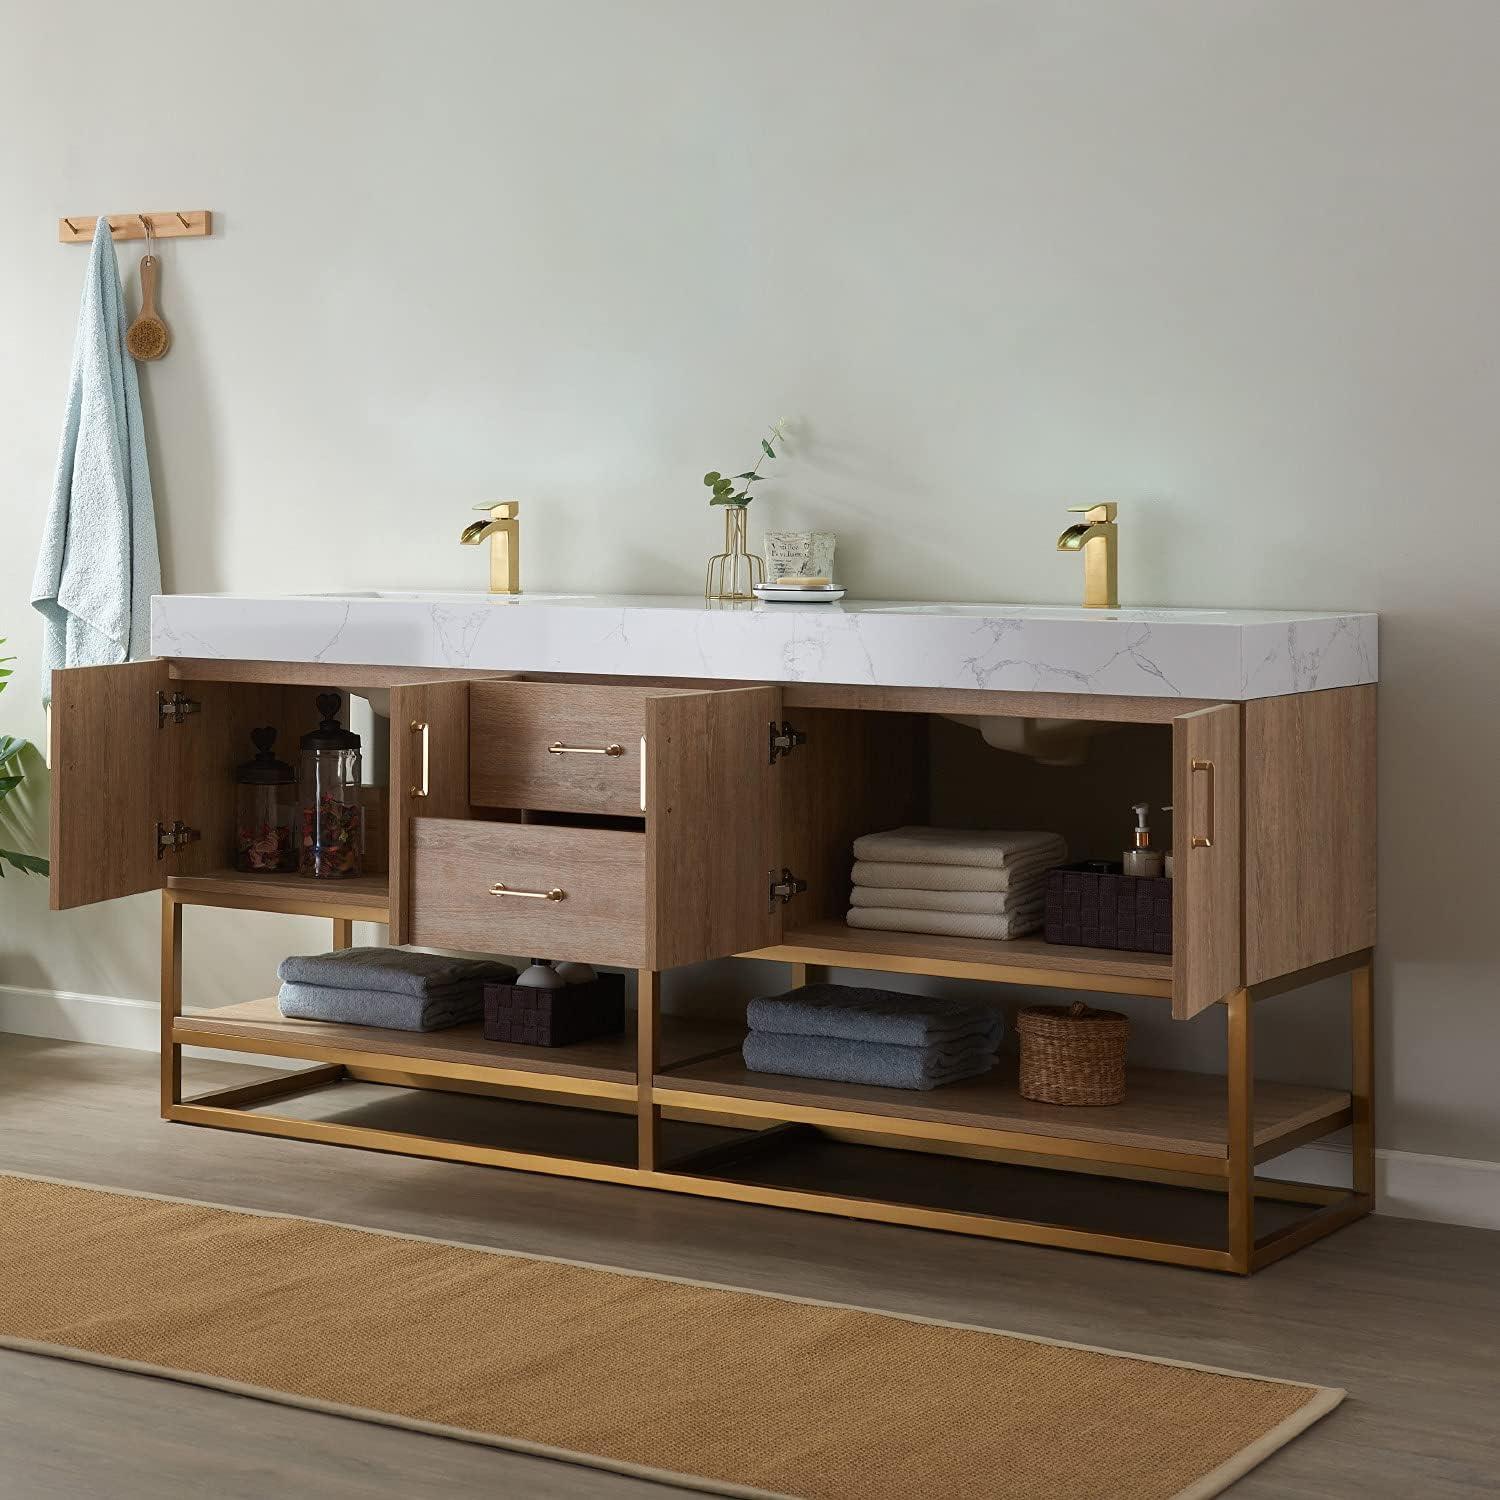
{"x": 331, "y": 832}
{"x": 265, "y": 806}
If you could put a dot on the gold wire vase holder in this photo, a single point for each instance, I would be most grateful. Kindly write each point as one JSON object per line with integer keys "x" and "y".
{"x": 735, "y": 571}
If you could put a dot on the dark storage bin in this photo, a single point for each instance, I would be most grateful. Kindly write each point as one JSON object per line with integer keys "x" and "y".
{"x": 555, "y": 1018}
{"x": 1094, "y": 905}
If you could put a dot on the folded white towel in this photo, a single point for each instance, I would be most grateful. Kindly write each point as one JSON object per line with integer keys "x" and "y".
{"x": 994, "y": 849}
{"x": 903, "y": 877}
{"x": 944, "y": 923}
{"x": 956, "y": 903}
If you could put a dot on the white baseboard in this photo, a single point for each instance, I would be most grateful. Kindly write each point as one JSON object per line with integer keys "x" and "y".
{"x": 1408, "y": 1185}
{"x": 106, "y": 1021}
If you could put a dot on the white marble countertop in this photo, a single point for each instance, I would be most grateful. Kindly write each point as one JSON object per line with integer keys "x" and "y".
{"x": 1223, "y": 654}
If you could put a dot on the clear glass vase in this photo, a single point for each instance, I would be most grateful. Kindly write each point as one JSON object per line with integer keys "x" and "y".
{"x": 733, "y": 572}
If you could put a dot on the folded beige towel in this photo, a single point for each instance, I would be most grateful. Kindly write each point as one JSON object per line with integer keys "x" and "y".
{"x": 902, "y": 877}
{"x": 956, "y": 903}
{"x": 970, "y": 924}
{"x": 993, "y": 849}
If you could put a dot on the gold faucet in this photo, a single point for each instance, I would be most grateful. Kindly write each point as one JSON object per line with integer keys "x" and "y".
{"x": 504, "y": 531}
{"x": 1098, "y": 539}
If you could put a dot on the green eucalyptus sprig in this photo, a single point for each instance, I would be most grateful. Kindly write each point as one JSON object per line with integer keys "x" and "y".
{"x": 724, "y": 489}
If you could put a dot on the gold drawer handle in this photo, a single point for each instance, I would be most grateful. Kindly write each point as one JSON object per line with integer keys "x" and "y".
{"x": 501, "y": 889}
{"x": 558, "y": 748}
{"x": 1205, "y": 840}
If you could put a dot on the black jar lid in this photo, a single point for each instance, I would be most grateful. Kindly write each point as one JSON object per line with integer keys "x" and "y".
{"x": 265, "y": 769}
{"x": 330, "y": 734}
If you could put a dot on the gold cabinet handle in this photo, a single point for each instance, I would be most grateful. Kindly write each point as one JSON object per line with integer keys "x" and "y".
{"x": 418, "y": 727}
{"x": 558, "y": 748}
{"x": 1205, "y": 840}
{"x": 501, "y": 889}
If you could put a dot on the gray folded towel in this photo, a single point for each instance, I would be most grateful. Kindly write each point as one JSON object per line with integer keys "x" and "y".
{"x": 397, "y": 971}
{"x": 880, "y": 1063}
{"x": 862, "y": 1014}
{"x": 316, "y": 1002}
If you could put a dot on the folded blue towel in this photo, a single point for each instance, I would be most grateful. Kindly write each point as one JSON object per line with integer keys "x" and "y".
{"x": 880, "y": 1063}
{"x": 871, "y": 1015}
{"x": 397, "y": 971}
{"x": 312, "y": 1002}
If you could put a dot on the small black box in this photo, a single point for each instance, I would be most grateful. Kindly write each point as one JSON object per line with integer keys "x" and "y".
{"x": 1094, "y": 905}
{"x": 555, "y": 1018}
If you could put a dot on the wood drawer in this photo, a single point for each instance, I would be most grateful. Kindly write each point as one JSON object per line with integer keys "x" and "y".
{"x": 562, "y": 747}
{"x": 456, "y": 864}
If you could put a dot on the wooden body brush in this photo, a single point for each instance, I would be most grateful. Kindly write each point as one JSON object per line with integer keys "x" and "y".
{"x": 147, "y": 337}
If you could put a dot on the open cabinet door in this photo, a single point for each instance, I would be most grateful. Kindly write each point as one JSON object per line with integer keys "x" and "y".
{"x": 712, "y": 824}
{"x": 112, "y": 760}
{"x": 1207, "y": 907}
{"x": 429, "y": 775}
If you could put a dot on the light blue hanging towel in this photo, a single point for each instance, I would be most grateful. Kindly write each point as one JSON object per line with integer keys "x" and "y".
{"x": 99, "y": 566}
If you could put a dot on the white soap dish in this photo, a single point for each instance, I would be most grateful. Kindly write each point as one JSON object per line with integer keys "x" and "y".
{"x": 798, "y": 593}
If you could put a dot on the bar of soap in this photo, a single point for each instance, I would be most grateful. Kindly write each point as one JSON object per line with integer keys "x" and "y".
{"x": 807, "y": 583}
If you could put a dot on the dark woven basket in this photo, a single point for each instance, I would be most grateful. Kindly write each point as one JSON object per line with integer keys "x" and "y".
{"x": 1071, "y": 1054}
{"x": 555, "y": 1018}
{"x": 1092, "y": 905}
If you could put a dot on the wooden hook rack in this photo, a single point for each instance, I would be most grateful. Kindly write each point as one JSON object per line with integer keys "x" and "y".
{"x": 78, "y": 229}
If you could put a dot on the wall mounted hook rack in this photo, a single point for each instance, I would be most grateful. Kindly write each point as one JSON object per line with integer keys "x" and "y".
{"x": 78, "y": 229}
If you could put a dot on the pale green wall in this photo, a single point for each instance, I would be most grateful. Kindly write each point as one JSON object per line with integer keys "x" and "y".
{"x": 1232, "y": 264}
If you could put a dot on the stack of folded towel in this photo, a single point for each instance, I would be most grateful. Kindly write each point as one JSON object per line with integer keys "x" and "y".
{"x": 853, "y": 1035}
{"x": 955, "y": 882}
{"x": 401, "y": 988}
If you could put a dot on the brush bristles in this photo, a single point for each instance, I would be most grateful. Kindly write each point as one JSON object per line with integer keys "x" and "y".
{"x": 147, "y": 338}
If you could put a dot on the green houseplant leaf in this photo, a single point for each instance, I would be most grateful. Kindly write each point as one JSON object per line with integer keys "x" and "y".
{"x": 11, "y": 776}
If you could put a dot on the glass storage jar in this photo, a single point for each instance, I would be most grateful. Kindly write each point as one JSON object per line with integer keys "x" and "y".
{"x": 265, "y": 810}
{"x": 332, "y": 836}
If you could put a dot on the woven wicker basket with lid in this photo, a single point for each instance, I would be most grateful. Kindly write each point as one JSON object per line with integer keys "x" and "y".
{"x": 1072, "y": 1054}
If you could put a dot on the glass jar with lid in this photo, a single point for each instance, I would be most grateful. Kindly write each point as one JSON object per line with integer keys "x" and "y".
{"x": 265, "y": 810}
{"x": 332, "y": 835}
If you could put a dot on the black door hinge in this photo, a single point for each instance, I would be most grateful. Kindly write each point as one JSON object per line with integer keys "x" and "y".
{"x": 175, "y": 709}
{"x": 784, "y": 740}
{"x": 170, "y": 837}
{"x": 784, "y": 889}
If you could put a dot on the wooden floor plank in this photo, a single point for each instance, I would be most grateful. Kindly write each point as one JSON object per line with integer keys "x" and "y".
{"x": 1390, "y": 1309}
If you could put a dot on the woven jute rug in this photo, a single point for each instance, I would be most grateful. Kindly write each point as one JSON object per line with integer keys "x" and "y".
{"x": 730, "y": 1392}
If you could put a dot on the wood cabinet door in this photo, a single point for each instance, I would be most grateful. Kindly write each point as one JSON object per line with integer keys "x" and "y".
{"x": 712, "y": 824}
{"x": 429, "y": 775}
{"x": 1207, "y": 895}
{"x": 112, "y": 761}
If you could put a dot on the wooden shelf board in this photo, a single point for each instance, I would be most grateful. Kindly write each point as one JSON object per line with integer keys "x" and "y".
{"x": 608, "y": 1060}
{"x": 366, "y": 891}
{"x": 1163, "y": 1110}
{"x": 840, "y": 946}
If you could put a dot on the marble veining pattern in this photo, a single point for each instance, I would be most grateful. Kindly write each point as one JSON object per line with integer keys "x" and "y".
{"x": 1218, "y": 654}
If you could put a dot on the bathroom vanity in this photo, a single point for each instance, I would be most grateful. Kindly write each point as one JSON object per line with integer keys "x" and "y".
{"x": 649, "y": 783}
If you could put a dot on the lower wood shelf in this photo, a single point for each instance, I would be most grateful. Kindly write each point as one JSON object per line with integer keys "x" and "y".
{"x": 1164, "y": 1111}
{"x": 1015, "y": 961}
{"x": 604, "y": 1068}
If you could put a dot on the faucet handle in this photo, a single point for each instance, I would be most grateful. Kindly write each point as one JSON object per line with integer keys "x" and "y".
{"x": 501, "y": 510}
{"x": 1094, "y": 514}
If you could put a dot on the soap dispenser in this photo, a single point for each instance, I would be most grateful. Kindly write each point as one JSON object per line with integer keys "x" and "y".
{"x": 1141, "y": 858}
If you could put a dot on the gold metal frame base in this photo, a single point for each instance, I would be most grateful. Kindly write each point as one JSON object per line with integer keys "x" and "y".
{"x": 1233, "y": 1175}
